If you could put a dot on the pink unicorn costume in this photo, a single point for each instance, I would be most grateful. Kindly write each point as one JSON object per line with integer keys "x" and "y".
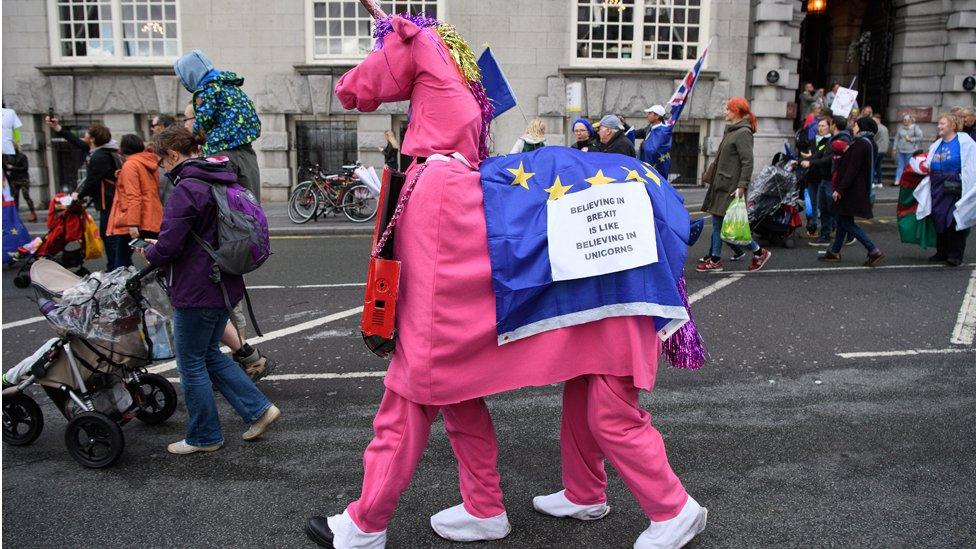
{"x": 447, "y": 356}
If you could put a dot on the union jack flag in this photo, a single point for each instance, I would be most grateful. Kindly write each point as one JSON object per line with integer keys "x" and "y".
{"x": 683, "y": 93}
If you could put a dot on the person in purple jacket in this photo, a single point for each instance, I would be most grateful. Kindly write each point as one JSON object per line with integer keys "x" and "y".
{"x": 200, "y": 311}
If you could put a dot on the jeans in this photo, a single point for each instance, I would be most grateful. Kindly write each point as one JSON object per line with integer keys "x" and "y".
{"x": 877, "y": 168}
{"x": 825, "y": 199}
{"x": 903, "y": 160}
{"x": 109, "y": 241}
{"x": 202, "y": 367}
{"x": 123, "y": 252}
{"x": 716, "y": 249}
{"x": 845, "y": 226}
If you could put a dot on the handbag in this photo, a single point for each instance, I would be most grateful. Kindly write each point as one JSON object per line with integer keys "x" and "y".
{"x": 952, "y": 185}
{"x": 378, "y": 324}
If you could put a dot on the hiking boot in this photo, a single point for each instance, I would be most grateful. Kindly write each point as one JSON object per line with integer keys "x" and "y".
{"x": 261, "y": 425}
{"x": 257, "y": 366}
{"x": 558, "y": 505}
{"x": 830, "y": 257}
{"x": 760, "y": 259}
{"x": 710, "y": 265}
{"x": 874, "y": 259}
{"x": 736, "y": 256}
{"x": 938, "y": 258}
{"x": 182, "y": 448}
{"x": 809, "y": 234}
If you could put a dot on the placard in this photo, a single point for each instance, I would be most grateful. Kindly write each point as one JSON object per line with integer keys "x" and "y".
{"x": 844, "y": 101}
{"x": 574, "y": 97}
{"x": 603, "y": 229}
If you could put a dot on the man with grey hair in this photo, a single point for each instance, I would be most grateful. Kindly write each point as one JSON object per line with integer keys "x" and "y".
{"x": 612, "y": 138}
{"x": 968, "y": 115}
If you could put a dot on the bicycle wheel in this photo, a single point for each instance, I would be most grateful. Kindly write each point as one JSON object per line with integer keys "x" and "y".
{"x": 302, "y": 203}
{"x": 359, "y": 204}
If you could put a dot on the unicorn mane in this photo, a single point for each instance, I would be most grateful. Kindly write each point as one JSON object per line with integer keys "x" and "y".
{"x": 464, "y": 61}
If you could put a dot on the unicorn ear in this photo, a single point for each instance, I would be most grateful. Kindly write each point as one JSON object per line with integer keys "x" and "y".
{"x": 405, "y": 29}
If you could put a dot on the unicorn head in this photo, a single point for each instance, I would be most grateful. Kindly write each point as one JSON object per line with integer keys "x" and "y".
{"x": 422, "y": 60}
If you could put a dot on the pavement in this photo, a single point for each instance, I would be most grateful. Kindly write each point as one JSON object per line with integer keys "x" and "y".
{"x": 837, "y": 411}
{"x": 337, "y": 224}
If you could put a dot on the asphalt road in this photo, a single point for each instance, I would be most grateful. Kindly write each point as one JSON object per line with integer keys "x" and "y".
{"x": 786, "y": 437}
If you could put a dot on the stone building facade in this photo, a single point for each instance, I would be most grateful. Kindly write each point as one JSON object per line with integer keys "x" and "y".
{"x": 110, "y": 61}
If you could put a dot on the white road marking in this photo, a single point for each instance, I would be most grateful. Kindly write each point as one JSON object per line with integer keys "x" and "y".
{"x": 712, "y": 288}
{"x": 24, "y": 322}
{"x": 907, "y": 352}
{"x": 166, "y": 366}
{"x": 292, "y": 377}
{"x": 965, "y": 330}
{"x": 308, "y": 286}
{"x": 850, "y": 268}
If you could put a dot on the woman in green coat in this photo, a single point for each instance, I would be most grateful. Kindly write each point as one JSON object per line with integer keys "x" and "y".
{"x": 732, "y": 175}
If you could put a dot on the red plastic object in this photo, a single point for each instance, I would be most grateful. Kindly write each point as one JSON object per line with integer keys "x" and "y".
{"x": 379, "y": 308}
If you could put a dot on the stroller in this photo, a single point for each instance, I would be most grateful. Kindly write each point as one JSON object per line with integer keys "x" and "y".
{"x": 65, "y": 241}
{"x": 774, "y": 203}
{"x": 110, "y": 326}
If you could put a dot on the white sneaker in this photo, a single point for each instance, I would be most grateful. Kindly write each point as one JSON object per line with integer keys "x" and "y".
{"x": 457, "y": 524}
{"x": 346, "y": 535}
{"x": 676, "y": 532}
{"x": 558, "y": 505}
{"x": 182, "y": 448}
{"x": 261, "y": 425}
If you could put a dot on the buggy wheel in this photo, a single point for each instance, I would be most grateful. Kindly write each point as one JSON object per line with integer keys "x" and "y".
{"x": 23, "y": 420}
{"x": 302, "y": 203}
{"x": 22, "y": 280}
{"x": 359, "y": 204}
{"x": 94, "y": 440}
{"x": 156, "y": 398}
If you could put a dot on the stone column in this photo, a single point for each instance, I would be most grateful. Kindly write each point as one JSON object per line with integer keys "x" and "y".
{"x": 918, "y": 60}
{"x": 775, "y": 46}
{"x": 960, "y": 54}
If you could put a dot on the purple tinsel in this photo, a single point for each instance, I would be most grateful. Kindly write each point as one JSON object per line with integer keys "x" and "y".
{"x": 384, "y": 27}
{"x": 685, "y": 348}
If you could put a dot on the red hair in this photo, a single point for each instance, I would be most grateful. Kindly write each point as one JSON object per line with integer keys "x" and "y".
{"x": 739, "y": 106}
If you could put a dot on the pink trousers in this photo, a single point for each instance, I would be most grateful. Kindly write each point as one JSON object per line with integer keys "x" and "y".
{"x": 602, "y": 418}
{"x": 401, "y": 429}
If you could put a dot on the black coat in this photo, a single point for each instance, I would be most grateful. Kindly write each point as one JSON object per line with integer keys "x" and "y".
{"x": 820, "y": 161}
{"x": 618, "y": 144}
{"x": 99, "y": 183}
{"x": 854, "y": 180}
{"x": 590, "y": 144}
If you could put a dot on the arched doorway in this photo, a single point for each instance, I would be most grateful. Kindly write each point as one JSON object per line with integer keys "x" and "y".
{"x": 851, "y": 39}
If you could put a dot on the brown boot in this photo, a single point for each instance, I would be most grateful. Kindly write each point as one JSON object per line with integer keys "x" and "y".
{"x": 32, "y": 218}
{"x": 256, "y": 366}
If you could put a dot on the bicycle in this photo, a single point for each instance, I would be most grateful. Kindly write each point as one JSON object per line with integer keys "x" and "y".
{"x": 326, "y": 194}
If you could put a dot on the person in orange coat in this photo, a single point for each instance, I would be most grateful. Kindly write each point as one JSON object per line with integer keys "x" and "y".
{"x": 137, "y": 211}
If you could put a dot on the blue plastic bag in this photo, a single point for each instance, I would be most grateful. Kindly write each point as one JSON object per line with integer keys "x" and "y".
{"x": 807, "y": 203}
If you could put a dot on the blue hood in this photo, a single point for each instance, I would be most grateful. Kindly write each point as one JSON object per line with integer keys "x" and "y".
{"x": 194, "y": 70}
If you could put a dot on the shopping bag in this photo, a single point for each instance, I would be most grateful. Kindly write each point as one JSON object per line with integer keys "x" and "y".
{"x": 807, "y": 203}
{"x": 94, "y": 247}
{"x": 735, "y": 226}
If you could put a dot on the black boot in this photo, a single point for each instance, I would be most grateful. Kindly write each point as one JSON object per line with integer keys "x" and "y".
{"x": 317, "y": 529}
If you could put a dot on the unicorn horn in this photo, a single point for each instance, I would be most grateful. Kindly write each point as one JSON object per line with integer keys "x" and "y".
{"x": 374, "y": 9}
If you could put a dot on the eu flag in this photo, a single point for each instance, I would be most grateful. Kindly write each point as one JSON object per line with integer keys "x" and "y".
{"x": 497, "y": 88}
{"x": 518, "y": 189}
{"x": 14, "y": 232}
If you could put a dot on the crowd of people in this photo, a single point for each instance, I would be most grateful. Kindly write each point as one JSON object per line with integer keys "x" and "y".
{"x": 840, "y": 170}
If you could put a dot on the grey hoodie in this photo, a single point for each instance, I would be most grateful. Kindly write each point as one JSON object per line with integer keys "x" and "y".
{"x": 192, "y": 68}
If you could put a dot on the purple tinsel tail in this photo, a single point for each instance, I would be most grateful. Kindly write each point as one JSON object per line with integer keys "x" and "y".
{"x": 685, "y": 349}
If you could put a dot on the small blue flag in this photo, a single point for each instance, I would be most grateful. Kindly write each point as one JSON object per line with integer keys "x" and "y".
{"x": 14, "y": 232}
{"x": 497, "y": 88}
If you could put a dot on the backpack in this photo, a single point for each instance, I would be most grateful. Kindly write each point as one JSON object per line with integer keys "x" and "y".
{"x": 243, "y": 242}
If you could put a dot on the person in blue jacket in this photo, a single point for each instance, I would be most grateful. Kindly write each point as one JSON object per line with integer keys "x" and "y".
{"x": 656, "y": 148}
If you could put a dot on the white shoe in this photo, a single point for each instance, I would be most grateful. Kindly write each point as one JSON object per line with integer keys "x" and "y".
{"x": 261, "y": 425}
{"x": 346, "y": 535}
{"x": 457, "y": 524}
{"x": 558, "y": 505}
{"x": 182, "y": 448}
{"x": 676, "y": 532}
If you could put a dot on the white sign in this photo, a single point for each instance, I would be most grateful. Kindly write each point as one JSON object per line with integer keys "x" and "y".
{"x": 604, "y": 229}
{"x": 844, "y": 101}
{"x": 574, "y": 97}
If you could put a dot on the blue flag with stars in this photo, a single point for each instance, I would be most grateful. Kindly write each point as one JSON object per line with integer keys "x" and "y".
{"x": 14, "y": 232}
{"x": 517, "y": 188}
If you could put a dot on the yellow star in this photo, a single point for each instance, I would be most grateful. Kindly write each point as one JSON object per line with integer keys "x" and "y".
{"x": 558, "y": 190}
{"x": 632, "y": 175}
{"x": 650, "y": 173}
{"x": 599, "y": 179}
{"x": 521, "y": 176}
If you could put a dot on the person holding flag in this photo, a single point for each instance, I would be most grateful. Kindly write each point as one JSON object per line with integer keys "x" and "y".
{"x": 656, "y": 148}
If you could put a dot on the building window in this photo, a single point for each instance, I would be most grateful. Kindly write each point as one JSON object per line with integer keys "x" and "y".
{"x": 342, "y": 29}
{"x": 639, "y": 32}
{"x": 115, "y": 30}
{"x": 330, "y": 143}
